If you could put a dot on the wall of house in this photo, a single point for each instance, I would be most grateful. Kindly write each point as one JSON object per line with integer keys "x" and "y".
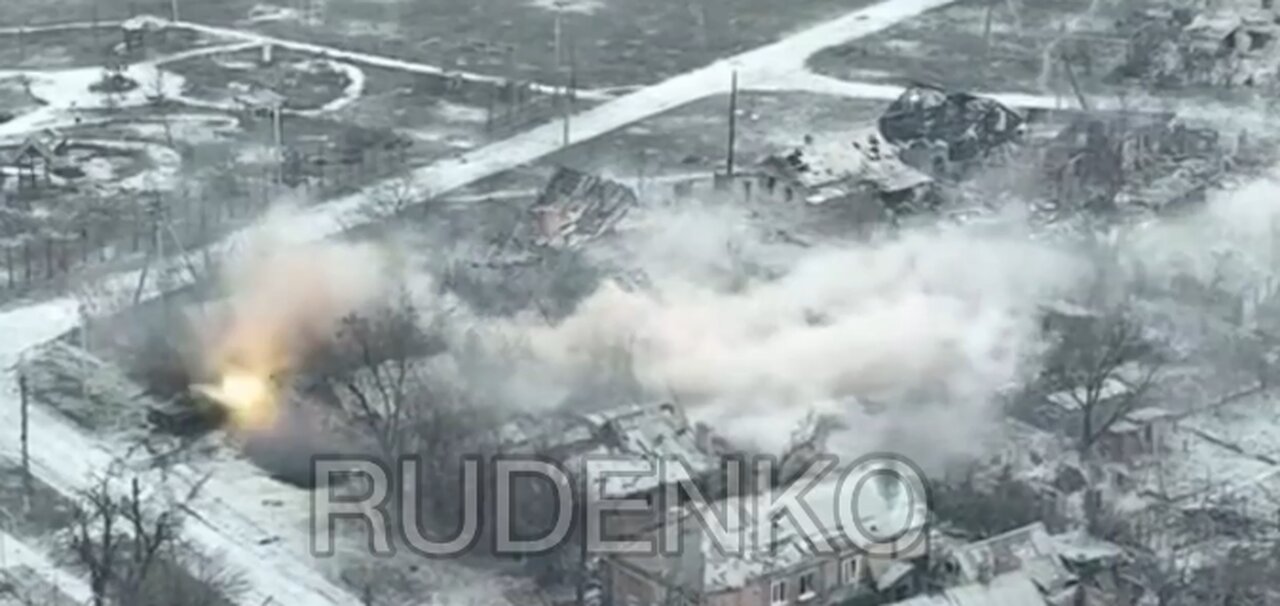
{"x": 628, "y": 588}
{"x": 750, "y": 595}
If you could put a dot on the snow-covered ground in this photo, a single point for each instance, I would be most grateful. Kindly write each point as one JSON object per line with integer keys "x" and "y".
{"x": 377, "y": 60}
{"x": 14, "y": 553}
{"x": 63, "y": 93}
{"x": 165, "y": 163}
{"x": 222, "y": 522}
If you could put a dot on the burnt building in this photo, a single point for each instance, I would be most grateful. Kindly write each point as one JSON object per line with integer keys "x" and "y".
{"x": 957, "y": 126}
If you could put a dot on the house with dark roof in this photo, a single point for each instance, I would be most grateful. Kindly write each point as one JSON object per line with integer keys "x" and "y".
{"x": 34, "y": 162}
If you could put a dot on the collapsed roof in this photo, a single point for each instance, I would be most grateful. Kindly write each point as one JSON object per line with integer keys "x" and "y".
{"x": 835, "y": 166}
{"x": 967, "y": 124}
{"x": 576, "y": 207}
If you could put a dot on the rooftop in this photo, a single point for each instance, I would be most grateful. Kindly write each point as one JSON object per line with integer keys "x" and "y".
{"x": 617, "y": 441}
{"x": 833, "y": 166}
{"x": 762, "y": 538}
{"x": 1030, "y": 549}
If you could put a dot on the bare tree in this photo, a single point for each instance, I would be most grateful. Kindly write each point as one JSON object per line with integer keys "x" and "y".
{"x": 116, "y": 540}
{"x": 379, "y": 372}
{"x": 374, "y": 370}
{"x": 1106, "y": 369}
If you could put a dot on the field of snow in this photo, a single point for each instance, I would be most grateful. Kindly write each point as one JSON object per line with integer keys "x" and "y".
{"x": 614, "y": 43}
{"x": 942, "y": 46}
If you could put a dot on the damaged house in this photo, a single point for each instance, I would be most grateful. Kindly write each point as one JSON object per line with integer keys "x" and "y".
{"x": 1213, "y": 48}
{"x": 857, "y": 171}
{"x": 938, "y": 129}
{"x": 769, "y": 558}
{"x": 1123, "y": 160}
{"x": 576, "y": 207}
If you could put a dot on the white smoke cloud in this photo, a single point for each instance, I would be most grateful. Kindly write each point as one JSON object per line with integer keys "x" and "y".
{"x": 933, "y": 323}
{"x": 284, "y": 298}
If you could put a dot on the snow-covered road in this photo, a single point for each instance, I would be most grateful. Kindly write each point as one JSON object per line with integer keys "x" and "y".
{"x": 65, "y": 457}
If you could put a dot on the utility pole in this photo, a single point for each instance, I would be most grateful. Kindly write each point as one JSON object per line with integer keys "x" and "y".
{"x": 558, "y": 32}
{"x": 986, "y": 28}
{"x": 733, "y": 121}
{"x": 568, "y": 99}
{"x": 173, "y": 10}
{"x": 1075, "y": 86}
{"x": 84, "y": 344}
{"x": 25, "y": 401}
{"x": 277, "y": 126}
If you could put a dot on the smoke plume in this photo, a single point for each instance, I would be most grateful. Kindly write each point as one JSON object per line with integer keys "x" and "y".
{"x": 283, "y": 300}
{"x": 931, "y": 325}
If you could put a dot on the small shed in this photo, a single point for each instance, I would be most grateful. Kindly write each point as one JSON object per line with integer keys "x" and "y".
{"x": 1141, "y": 433}
{"x": 34, "y": 161}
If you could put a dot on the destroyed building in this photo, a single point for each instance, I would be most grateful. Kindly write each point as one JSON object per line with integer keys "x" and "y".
{"x": 1130, "y": 161}
{"x": 938, "y": 129}
{"x": 576, "y": 207}
{"x": 858, "y": 171}
{"x": 1212, "y": 48}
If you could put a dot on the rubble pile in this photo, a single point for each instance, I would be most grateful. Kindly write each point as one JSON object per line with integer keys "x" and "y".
{"x": 576, "y": 207}
{"x": 1180, "y": 48}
